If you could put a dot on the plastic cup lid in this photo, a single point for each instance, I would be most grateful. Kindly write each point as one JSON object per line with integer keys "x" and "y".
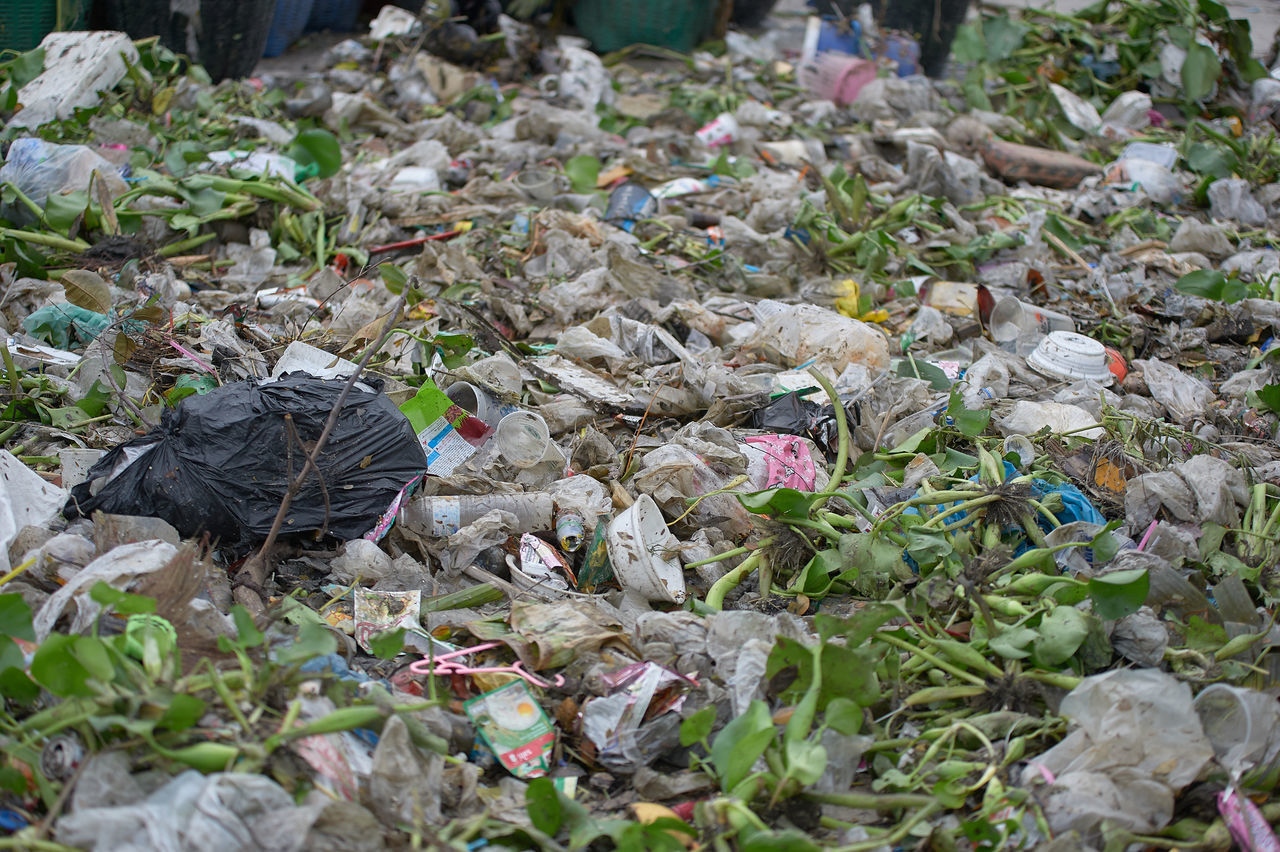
{"x": 1067, "y": 355}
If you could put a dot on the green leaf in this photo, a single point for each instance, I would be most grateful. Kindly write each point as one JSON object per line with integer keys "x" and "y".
{"x": 1269, "y": 395}
{"x": 741, "y": 743}
{"x": 1003, "y": 36}
{"x": 393, "y": 277}
{"x": 778, "y": 502}
{"x": 15, "y": 617}
{"x": 698, "y": 726}
{"x": 1060, "y": 635}
{"x": 62, "y": 211}
{"x": 1204, "y": 636}
{"x": 968, "y": 45}
{"x": 13, "y": 781}
{"x": 806, "y": 760}
{"x": 314, "y": 640}
{"x": 910, "y": 368}
{"x": 972, "y": 423}
{"x": 1200, "y": 71}
{"x": 25, "y": 67}
{"x": 179, "y": 156}
{"x": 542, "y": 802}
{"x": 1119, "y": 593}
{"x": 844, "y": 716}
{"x": 1210, "y": 160}
{"x": 1211, "y": 284}
{"x": 56, "y": 667}
{"x": 583, "y": 171}
{"x": 1105, "y": 547}
{"x": 16, "y": 686}
{"x": 317, "y": 147}
{"x": 387, "y": 644}
{"x": 183, "y": 712}
{"x": 123, "y": 603}
{"x": 249, "y": 636}
{"x": 928, "y": 547}
{"x": 1012, "y": 643}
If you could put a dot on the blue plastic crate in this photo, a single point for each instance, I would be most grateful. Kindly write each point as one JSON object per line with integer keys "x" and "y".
{"x": 287, "y": 25}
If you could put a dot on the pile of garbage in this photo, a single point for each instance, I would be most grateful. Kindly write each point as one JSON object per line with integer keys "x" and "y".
{"x": 765, "y": 448}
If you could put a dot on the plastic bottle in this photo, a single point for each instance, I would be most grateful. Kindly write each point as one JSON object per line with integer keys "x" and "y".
{"x": 444, "y": 516}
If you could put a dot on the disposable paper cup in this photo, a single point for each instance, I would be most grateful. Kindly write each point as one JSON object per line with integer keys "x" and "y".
{"x": 639, "y": 548}
{"x": 1067, "y": 355}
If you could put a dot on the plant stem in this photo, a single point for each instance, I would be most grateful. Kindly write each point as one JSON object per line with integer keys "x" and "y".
{"x": 842, "y": 425}
{"x": 731, "y": 580}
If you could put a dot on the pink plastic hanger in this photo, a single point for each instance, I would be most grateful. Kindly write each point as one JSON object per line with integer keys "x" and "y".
{"x": 444, "y": 664}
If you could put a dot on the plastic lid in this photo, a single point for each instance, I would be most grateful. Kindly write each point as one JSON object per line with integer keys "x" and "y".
{"x": 1067, "y": 355}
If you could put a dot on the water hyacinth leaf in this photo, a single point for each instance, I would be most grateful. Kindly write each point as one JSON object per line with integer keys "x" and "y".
{"x": 123, "y": 603}
{"x": 387, "y": 644}
{"x": 844, "y": 716}
{"x": 1060, "y": 635}
{"x": 542, "y": 803}
{"x": 319, "y": 148}
{"x": 583, "y": 171}
{"x": 928, "y": 547}
{"x": 56, "y": 667}
{"x": 806, "y": 760}
{"x": 15, "y": 617}
{"x": 1119, "y": 593}
{"x": 182, "y": 713}
{"x": 698, "y": 727}
{"x": 1269, "y": 395}
{"x": 1003, "y": 35}
{"x": 313, "y": 640}
{"x": 741, "y": 743}
{"x": 1200, "y": 71}
{"x": 16, "y": 686}
{"x": 778, "y": 502}
{"x": 1012, "y": 643}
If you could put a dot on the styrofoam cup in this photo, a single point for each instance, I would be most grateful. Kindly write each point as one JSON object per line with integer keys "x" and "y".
{"x": 1067, "y": 355}
{"x": 640, "y": 548}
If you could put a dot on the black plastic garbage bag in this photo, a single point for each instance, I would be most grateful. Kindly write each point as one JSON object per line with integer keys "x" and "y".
{"x": 221, "y": 463}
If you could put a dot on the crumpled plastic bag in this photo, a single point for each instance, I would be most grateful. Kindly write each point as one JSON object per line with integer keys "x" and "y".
{"x": 41, "y": 169}
{"x": 222, "y": 461}
{"x": 222, "y": 812}
{"x": 795, "y": 335}
{"x": 1136, "y": 742}
{"x": 1185, "y": 397}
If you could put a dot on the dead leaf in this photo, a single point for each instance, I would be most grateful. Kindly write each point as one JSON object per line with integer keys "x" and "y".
{"x": 87, "y": 290}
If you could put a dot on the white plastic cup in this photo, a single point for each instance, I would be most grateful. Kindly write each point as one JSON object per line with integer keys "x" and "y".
{"x": 539, "y": 184}
{"x": 1011, "y": 319}
{"x": 1241, "y": 724}
{"x": 524, "y": 440}
{"x": 722, "y": 130}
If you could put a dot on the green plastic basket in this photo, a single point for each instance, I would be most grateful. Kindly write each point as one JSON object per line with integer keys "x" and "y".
{"x": 24, "y": 23}
{"x": 675, "y": 24}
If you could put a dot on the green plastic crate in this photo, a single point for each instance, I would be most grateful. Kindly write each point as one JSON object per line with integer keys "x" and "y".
{"x": 24, "y": 23}
{"x": 675, "y": 24}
